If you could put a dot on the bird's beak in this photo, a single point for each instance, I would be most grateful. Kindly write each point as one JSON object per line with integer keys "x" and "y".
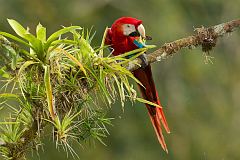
{"x": 141, "y": 31}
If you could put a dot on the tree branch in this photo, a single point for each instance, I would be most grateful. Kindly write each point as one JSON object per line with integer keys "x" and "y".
{"x": 206, "y": 37}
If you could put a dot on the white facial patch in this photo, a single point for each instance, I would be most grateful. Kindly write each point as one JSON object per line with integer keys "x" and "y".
{"x": 128, "y": 28}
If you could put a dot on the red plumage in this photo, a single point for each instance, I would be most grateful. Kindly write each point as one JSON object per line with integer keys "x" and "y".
{"x": 121, "y": 43}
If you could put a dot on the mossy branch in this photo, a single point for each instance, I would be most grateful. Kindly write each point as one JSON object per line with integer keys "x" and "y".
{"x": 205, "y": 37}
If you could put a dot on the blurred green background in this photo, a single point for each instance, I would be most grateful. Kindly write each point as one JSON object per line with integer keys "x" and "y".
{"x": 201, "y": 100}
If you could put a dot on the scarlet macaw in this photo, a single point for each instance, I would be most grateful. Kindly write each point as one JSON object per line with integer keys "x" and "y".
{"x": 123, "y": 36}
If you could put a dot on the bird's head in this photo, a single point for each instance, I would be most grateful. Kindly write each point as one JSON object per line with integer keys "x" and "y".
{"x": 129, "y": 27}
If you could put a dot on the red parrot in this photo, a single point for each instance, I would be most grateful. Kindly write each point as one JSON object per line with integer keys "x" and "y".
{"x": 123, "y": 37}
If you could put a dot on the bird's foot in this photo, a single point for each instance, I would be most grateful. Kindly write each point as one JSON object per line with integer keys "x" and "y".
{"x": 144, "y": 60}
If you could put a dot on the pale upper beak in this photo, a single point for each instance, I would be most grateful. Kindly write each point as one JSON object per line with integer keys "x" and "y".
{"x": 141, "y": 30}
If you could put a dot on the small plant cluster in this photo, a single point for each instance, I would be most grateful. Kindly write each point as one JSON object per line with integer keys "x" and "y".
{"x": 59, "y": 81}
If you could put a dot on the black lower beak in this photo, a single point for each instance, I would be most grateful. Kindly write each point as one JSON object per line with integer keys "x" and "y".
{"x": 134, "y": 34}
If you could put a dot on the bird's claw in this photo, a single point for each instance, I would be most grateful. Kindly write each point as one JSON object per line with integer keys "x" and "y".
{"x": 144, "y": 60}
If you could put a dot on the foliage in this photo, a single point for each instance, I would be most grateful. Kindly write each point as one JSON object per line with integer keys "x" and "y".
{"x": 59, "y": 81}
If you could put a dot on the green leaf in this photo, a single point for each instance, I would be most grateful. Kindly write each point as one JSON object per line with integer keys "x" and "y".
{"x": 8, "y": 95}
{"x": 50, "y": 100}
{"x": 22, "y": 32}
{"x": 15, "y": 38}
{"x": 17, "y": 27}
{"x": 90, "y": 38}
{"x": 6, "y": 123}
{"x": 58, "y": 33}
{"x": 21, "y": 70}
{"x": 13, "y": 56}
{"x": 148, "y": 102}
{"x": 103, "y": 42}
{"x": 64, "y": 41}
{"x": 76, "y": 61}
{"x": 86, "y": 49}
{"x": 37, "y": 45}
{"x": 41, "y": 33}
{"x": 24, "y": 66}
{"x": 27, "y": 54}
{"x": 3, "y": 73}
{"x": 150, "y": 46}
{"x": 130, "y": 53}
{"x": 101, "y": 84}
{"x": 120, "y": 89}
{"x": 126, "y": 72}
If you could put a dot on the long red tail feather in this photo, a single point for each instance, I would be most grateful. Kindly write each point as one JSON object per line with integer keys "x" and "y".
{"x": 155, "y": 119}
{"x": 144, "y": 75}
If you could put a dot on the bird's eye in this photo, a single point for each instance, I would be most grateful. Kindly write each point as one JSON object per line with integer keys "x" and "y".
{"x": 128, "y": 26}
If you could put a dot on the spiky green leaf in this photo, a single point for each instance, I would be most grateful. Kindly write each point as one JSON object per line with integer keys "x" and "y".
{"x": 148, "y": 102}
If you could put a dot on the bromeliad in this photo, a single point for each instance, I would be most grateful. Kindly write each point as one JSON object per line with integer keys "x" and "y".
{"x": 127, "y": 34}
